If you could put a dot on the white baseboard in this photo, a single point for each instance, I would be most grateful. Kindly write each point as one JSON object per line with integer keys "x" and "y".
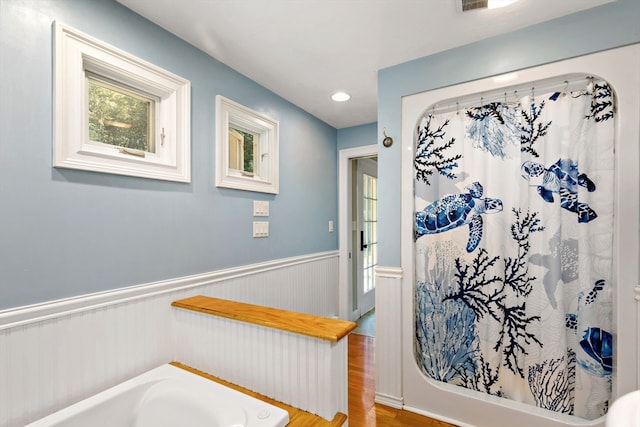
{"x": 393, "y": 401}
{"x": 437, "y": 417}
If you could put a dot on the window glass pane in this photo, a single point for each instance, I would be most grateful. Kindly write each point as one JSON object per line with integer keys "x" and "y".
{"x": 242, "y": 150}
{"x": 374, "y": 190}
{"x": 374, "y": 210}
{"x": 373, "y": 255}
{"x": 366, "y": 210}
{"x": 236, "y": 149}
{"x": 120, "y": 117}
{"x": 370, "y": 229}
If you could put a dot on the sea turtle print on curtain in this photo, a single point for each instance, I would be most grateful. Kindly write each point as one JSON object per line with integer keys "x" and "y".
{"x": 513, "y": 234}
{"x": 561, "y": 178}
{"x": 456, "y": 210}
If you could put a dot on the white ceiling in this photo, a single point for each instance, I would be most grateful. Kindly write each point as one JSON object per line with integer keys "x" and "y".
{"x": 304, "y": 50}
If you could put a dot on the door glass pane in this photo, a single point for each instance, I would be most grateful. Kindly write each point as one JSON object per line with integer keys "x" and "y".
{"x": 370, "y": 230}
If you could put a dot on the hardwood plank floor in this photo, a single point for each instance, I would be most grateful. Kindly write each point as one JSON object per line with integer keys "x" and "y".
{"x": 363, "y": 411}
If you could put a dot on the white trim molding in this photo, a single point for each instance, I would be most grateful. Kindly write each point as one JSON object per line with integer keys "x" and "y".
{"x": 63, "y": 307}
{"x": 265, "y": 174}
{"x": 393, "y": 401}
{"x": 389, "y": 272}
{"x": 388, "y": 350}
{"x": 437, "y": 417}
{"x": 618, "y": 67}
{"x": 344, "y": 223}
{"x": 636, "y": 290}
{"x": 77, "y": 56}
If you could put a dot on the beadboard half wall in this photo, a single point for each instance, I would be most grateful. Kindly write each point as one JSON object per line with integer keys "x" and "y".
{"x": 56, "y": 353}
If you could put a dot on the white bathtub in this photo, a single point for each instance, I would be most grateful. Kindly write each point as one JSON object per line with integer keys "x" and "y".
{"x": 168, "y": 396}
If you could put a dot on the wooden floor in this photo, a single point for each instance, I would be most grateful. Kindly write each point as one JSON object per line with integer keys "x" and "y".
{"x": 363, "y": 411}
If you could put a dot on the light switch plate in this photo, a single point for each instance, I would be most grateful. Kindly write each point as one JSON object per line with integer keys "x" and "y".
{"x": 260, "y": 208}
{"x": 260, "y": 228}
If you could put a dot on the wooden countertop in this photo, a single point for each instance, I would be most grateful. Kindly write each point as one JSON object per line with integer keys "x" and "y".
{"x": 297, "y": 417}
{"x": 300, "y": 323}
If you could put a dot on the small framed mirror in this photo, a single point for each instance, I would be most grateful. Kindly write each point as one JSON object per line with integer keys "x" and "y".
{"x": 246, "y": 148}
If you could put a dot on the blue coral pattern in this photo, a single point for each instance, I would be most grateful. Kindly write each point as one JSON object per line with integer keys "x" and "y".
{"x": 510, "y": 299}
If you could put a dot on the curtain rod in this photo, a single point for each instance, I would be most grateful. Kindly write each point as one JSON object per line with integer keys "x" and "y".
{"x": 511, "y": 94}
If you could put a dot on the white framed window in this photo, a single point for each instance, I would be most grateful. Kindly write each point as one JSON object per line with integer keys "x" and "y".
{"x": 246, "y": 148}
{"x": 115, "y": 113}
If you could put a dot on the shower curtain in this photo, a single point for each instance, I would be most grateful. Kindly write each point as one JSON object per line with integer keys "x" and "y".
{"x": 513, "y": 246}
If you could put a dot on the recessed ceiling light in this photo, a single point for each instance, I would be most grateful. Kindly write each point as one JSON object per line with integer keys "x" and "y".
{"x": 340, "y": 96}
{"x": 494, "y": 4}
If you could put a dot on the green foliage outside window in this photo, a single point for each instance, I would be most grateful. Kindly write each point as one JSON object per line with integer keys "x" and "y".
{"x": 119, "y": 118}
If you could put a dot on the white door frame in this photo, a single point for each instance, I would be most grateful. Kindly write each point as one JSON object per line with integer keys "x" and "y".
{"x": 366, "y": 301}
{"x": 344, "y": 224}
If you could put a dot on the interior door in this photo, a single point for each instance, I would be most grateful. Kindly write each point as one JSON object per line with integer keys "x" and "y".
{"x": 367, "y": 226}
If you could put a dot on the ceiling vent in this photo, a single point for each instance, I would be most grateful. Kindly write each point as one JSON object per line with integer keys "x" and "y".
{"x": 468, "y": 5}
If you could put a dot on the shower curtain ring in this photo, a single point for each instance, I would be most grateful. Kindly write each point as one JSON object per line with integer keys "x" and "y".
{"x": 591, "y": 79}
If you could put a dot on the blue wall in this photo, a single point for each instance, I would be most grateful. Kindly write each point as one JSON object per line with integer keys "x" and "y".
{"x": 357, "y": 136}
{"x": 612, "y": 25}
{"x": 66, "y": 233}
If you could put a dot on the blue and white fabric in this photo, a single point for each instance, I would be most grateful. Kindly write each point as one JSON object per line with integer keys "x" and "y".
{"x": 513, "y": 248}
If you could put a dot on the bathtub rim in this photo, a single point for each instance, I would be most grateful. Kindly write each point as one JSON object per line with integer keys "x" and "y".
{"x": 152, "y": 377}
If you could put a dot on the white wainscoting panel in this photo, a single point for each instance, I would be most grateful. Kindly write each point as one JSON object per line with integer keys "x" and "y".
{"x": 388, "y": 351}
{"x": 51, "y": 364}
{"x": 307, "y": 286}
{"x": 636, "y": 291}
{"x": 305, "y": 372}
{"x": 57, "y": 353}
